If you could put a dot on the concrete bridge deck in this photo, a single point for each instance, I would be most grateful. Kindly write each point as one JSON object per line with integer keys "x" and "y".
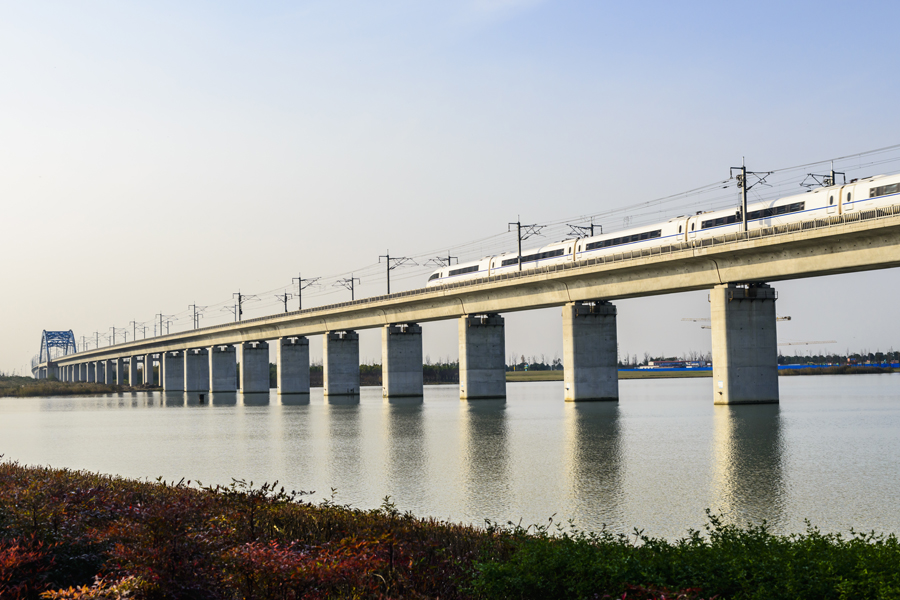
{"x": 858, "y": 241}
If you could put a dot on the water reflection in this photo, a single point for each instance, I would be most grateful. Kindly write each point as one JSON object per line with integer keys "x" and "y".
{"x": 255, "y": 399}
{"x": 407, "y": 451}
{"x": 221, "y": 399}
{"x": 595, "y": 454}
{"x": 487, "y": 456}
{"x": 294, "y": 399}
{"x": 172, "y": 399}
{"x": 344, "y": 440}
{"x": 748, "y": 483}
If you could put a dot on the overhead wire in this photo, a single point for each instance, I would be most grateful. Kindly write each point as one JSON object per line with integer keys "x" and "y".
{"x": 715, "y": 195}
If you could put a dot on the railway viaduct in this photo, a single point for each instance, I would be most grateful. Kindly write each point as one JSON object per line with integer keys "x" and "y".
{"x": 738, "y": 269}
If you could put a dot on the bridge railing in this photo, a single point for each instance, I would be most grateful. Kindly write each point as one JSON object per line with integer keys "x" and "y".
{"x": 765, "y": 232}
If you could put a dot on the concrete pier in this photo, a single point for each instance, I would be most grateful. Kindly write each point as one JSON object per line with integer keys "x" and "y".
{"x": 222, "y": 369}
{"x": 254, "y": 358}
{"x": 744, "y": 344}
{"x": 133, "y": 377}
{"x": 590, "y": 351}
{"x": 148, "y": 370}
{"x": 117, "y": 371}
{"x": 292, "y": 356}
{"x": 401, "y": 360}
{"x": 171, "y": 371}
{"x": 196, "y": 370}
{"x": 90, "y": 372}
{"x": 100, "y": 366}
{"x": 482, "y": 357}
{"x": 341, "y": 363}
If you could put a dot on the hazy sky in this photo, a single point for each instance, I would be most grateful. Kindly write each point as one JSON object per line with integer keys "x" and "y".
{"x": 159, "y": 154}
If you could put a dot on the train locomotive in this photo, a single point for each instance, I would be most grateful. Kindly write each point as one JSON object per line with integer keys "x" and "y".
{"x": 859, "y": 194}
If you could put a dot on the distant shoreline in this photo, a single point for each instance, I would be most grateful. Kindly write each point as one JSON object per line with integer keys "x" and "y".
{"x": 519, "y": 376}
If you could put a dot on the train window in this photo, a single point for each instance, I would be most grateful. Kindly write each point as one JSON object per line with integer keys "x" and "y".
{"x": 884, "y": 190}
{"x": 720, "y": 221}
{"x": 679, "y": 229}
{"x": 772, "y": 212}
{"x": 471, "y": 269}
{"x": 570, "y": 249}
{"x": 848, "y": 196}
{"x": 533, "y": 257}
{"x": 830, "y": 200}
{"x": 626, "y": 239}
{"x": 435, "y": 276}
{"x": 692, "y": 226}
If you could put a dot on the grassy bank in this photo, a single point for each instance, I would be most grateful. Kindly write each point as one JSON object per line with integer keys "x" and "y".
{"x": 837, "y": 370}
{"x": 558, "y": 375}
{"x": 22, "y": 387}
{"x": 79, "y": 535}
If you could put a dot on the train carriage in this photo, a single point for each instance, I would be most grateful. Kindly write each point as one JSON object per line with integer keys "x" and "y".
{"x": 862, "y": 194}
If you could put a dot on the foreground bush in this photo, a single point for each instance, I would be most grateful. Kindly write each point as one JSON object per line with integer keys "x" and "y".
{"x": 75, "y": 535}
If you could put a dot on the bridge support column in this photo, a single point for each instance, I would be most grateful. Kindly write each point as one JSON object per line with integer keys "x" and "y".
{"x": 101, "y": 371}
{"x": 147, "y": 376}
{"x": 118, "y": 370}
{"x": 222, "y": 369}
{"x": 72, "y": 377}
{"x": 744, "y": 344}
{"x": 90, "y": 372}
{"x": 196, "y": 370}
{"x": 293, "y": 365}
{"x": 133, "y": 371}
{"x": 401, "y": 360}
{"x": 340, "y": 371}
{"x": 482, "y": 357}
{"x": 254, "y": 357}
{"x": 590, "y": 351}
{"x": 171, "y": 371}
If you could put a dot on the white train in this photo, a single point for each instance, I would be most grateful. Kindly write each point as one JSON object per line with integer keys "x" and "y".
{"x": 862, "y": 194}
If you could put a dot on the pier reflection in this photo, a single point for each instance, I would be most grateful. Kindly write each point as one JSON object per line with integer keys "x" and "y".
{"x": 487, "y": 456}
{"x": 255, "y": 399}
{"x": 221, "y": 399}
{"x": 345, "y": 444}
{"x": 407, "y": 452}
{"x": 748, "y": 482}
{"x": 595, "y": 461}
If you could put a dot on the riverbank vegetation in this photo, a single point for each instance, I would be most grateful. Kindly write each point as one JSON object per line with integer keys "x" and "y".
{"x": 837, "y": 370}
{"x": 76, "y": 535}
{"x": 28, "y": 387}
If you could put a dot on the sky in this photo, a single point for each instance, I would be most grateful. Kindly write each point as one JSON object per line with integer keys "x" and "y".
{"x": 156, "y": 155}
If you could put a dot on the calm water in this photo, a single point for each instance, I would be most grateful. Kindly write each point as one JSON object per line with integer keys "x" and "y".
{"x": 830, "y": 452}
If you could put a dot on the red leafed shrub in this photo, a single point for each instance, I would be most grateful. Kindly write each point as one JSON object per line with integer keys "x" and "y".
{"x": 23, "y": 567}
{"x": 101, "y": 590}
{"x": 272, "y": 570}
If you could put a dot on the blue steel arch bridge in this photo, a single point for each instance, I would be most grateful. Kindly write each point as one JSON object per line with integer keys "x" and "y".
{"x": 54, "y": 344}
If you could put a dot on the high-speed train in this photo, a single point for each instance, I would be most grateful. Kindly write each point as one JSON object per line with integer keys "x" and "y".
{"x": 862, "y": 194}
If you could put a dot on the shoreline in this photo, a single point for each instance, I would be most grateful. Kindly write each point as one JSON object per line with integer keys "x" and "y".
{"x": 26, "y": 387}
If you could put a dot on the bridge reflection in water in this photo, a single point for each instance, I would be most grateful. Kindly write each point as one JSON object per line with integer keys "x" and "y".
{"x": 594, "y": 456}
{"x": 487, "y": 484}
{"x": 408, "y": 456}
{"x": 748, "y": 471}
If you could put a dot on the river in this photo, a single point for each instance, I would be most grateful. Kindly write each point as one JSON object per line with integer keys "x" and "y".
{"x": 656, "y": 460}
